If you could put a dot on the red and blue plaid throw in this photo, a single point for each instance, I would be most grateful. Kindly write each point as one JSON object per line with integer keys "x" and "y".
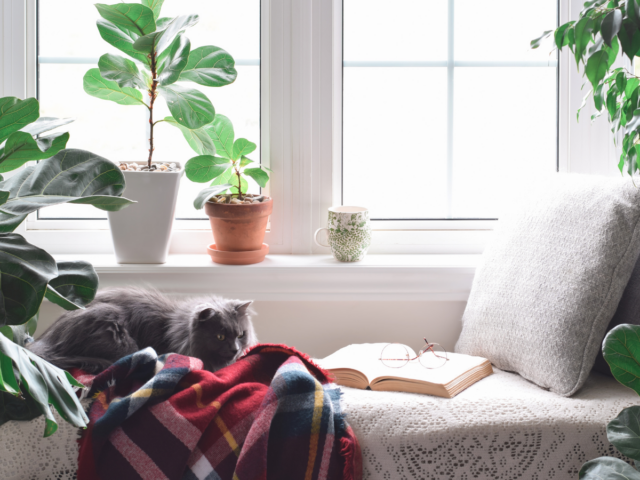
{"x": 271, "y": 415}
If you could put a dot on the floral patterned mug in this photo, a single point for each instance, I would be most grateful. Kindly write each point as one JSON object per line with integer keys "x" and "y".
{"x": 348, "y": 235}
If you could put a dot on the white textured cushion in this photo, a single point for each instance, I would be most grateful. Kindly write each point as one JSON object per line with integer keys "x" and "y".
{"x": 552, "y": 278}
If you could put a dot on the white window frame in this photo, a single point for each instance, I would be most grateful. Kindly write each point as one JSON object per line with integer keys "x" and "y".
{"x": 301, "y": 134}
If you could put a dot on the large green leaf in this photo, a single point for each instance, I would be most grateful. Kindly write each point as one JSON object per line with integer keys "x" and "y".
{"x": 121, "y": 39}
{"x": 130, "y": 16}
{"x": 159, "y": 41}
{"x": 8, "y": 223}
{"x": 44, "y": 124}
{"x": 25, "y": 271}
{"x": 197, "y": 139}
{"x": 221, "y": 132}
{"x": 121, "y": 70}
{"x": 583, "y": 30}
{"x": 608, "y": 468}
{"x": 629, "y": 37}
{"x": 633, "y": 12}
{"x": 597, "y": 66}
{"x": 74, "y": 287}
{"x": 71, "y": 176}
{"x": 21, "y": 334}
{"x": 99, "y": 87}
{"x": 260, "y": 176}
{"x": 611, "y": 26}
{"x": 188, "y": 106}
{"x": 623, "y": 432}
{"x": 16, "y": 114}
{"x": 205, "y": 194}
{"x": 21, "y": 148}
{"x": 205, "y": 168}
{"x": 210, "y": 66}
{"x": 223, "y": 179}
{"x": 621, "y": 350}
{"x": 560, "y": 36}
{"x": 242, "y": 147}
{"x": 175, "y": 61}
{"x": 46, "y": 385}
{"x": 155, "y": 6}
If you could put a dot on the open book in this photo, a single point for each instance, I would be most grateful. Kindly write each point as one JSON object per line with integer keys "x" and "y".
{"x": 358, "y": 366}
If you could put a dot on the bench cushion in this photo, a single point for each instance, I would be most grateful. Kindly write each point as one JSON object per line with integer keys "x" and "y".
{"x": 503, "y": 427}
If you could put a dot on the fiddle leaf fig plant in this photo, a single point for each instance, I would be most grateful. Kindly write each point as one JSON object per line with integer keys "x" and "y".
{"x": 230, "y": 168}
{"x": 621, "y": 350}
{"x": 162, "y": 60}
{"x": 604, "y": 30}
{"x": 30, "y": 386}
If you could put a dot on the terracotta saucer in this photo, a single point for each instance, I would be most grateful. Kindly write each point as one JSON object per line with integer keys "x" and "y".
{"x": 237, "y": 258}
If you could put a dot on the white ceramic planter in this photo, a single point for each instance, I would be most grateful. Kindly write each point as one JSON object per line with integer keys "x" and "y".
{"x": 141, "y": 232}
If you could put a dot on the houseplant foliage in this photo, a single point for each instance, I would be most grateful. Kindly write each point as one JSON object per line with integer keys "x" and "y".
{"x": 621, "y": 350}
{"x": 603, "y": 30}
{"x": 162, "y": 60}
{"x": 230, "y": 168}
{"x": 29, "y": 386}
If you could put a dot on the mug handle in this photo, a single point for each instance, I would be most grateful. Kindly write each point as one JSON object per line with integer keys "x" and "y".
{"x": 315, "y": 237}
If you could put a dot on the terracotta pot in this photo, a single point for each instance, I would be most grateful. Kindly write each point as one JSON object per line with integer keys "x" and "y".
{"x": 239, "y": 228}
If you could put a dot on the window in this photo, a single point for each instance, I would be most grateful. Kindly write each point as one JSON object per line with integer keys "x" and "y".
{"x": 69, "y": 45}
{"x": 444, "y": 104}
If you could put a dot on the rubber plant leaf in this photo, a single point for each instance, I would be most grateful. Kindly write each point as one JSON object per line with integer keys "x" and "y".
{"x": 74, "y": 287}
{"x": 210, "y": 66}
{"x": 204, "y": 168}
{"x": 16, "y": 114}
{"x": 221, "y": 132}
{"x": 621, "y": 350}
{"x": 99, "y": 87}
{"x": 189, "y": 107}
{"x": 21, "y": 148}
{"x": 608, "y": 468}
{"x": 71, "y": 176}
{"x": 207, "y": 193}
{"x": 198, "y": 139}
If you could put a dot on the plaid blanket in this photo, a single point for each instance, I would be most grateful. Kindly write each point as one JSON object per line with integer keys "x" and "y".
{"x": 272, "y": 414}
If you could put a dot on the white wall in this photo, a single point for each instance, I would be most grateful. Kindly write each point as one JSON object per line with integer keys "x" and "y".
{"x": 320, "y": 328}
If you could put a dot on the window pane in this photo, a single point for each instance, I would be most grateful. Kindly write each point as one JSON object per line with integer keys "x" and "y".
{"x": 118, "y": 132}
{"x": 429, "y": 124}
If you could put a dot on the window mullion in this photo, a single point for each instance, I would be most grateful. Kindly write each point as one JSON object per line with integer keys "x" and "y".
{"x": 450, "y": 95}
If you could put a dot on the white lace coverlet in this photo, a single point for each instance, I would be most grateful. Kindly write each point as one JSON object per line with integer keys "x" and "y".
{"x": 503, "y": 427}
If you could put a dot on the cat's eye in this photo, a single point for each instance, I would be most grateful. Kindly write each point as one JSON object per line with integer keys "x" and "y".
{"x": 220, "y": 337}
{"x": 241, "y": 335}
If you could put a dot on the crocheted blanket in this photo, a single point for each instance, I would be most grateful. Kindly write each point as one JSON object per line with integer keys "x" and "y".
{"x": 272, "y": 414}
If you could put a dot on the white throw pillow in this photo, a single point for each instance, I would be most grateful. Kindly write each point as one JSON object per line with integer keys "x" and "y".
{"x": 552, "y": 278}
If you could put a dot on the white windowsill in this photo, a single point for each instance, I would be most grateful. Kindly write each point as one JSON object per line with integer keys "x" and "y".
{"x": 301, "y": 277}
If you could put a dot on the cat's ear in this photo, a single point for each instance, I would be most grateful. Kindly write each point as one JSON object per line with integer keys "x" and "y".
{"x": 206, "y": 314}
{"x": 241, "y": 308}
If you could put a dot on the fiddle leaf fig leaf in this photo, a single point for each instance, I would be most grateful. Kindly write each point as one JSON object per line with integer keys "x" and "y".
{"x": 74, "y": 287}
{"x": 198, "y": 139}
{"x": 205, "y": 168}
{"x": 8, "y": 223}
{"x": 16, "y": 114}
{"x": 207, "y": 193}
{"x": 44, "y": 124}
{"x": 242, "y": 147}
{"x": 158, "y": 41}
{"x": 155, "y": 6}
{"x": 623, "y": 432}
{"x": 189, "y": 107}
{"x": 122, "y": 39}
{"x": 621, "y": 350}
{"x": 222, "y": 134}
{"x": 121, "y": 70}
{"x": 210, "y": 66}
{"x": 608, "y": 468}
{"x": 260, "y": 176}
{"x": 175, "y": 61}
{"x": 71, "y": 176}
{"x": 21, "y": 148}
{"x": 130, "y": 16}
{"x": 97, "y": 86}
{"x": 245, "y": 161}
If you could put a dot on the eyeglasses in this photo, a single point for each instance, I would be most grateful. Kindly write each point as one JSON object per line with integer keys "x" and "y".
{"x": 396, "y": 355}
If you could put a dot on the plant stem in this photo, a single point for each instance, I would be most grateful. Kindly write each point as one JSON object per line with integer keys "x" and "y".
{"x": 239, "y": 183}
{"x": 152, "y": 94}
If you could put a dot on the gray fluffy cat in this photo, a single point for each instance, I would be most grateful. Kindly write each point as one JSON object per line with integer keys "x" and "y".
{"x": 121, "y": 321}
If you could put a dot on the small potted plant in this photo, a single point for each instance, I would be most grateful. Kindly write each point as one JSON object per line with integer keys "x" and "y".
{"x": 238, "y": 219}
{"x": 163, "y": 58}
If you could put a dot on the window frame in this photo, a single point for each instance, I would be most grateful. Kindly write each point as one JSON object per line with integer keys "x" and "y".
{"x": 301, "y": 136}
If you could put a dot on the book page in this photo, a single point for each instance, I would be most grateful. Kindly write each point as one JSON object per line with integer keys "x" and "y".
{"x": 366, "y": 359}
